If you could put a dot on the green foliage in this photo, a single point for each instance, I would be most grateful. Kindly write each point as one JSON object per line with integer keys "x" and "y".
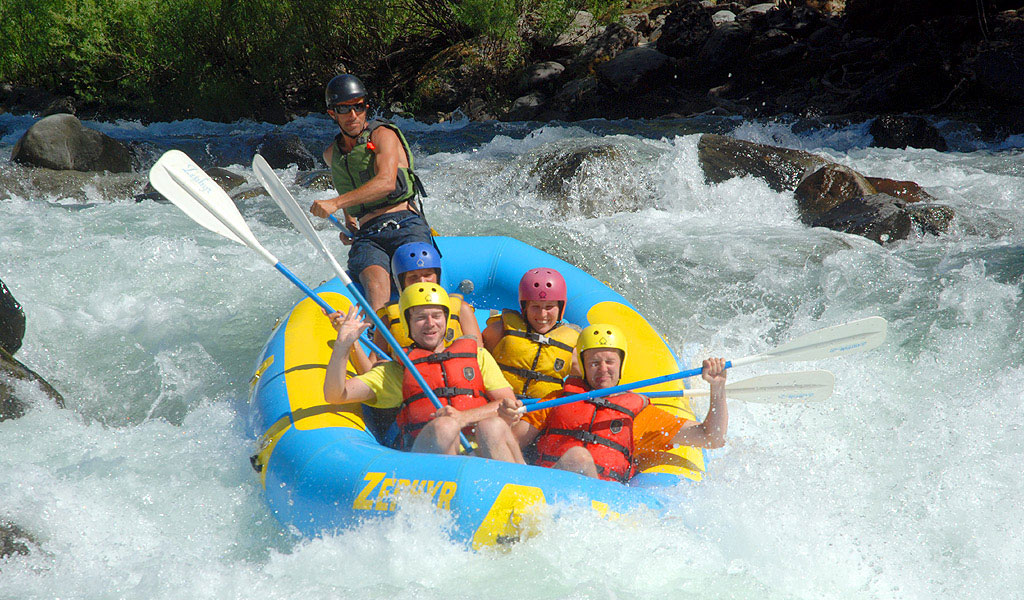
{"x": 213, "y": 58}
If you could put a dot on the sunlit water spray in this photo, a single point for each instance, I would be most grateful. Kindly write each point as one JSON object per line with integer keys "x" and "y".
{"x": 905, "y": 484}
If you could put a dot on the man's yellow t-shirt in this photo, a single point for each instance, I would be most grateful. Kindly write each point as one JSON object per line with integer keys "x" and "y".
{"x": 385, "y": 381}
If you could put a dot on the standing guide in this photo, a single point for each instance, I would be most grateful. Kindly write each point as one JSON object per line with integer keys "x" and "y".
{"x": 372, "y": 171}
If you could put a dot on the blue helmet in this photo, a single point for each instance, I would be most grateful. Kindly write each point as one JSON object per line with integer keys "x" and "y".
{"x": 412, "y": 256}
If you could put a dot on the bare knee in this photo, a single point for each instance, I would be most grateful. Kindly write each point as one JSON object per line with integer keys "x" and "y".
{"x": 493, "y": 430}
{"x": 578, "y": 460}
{"x": 439, "y": 436}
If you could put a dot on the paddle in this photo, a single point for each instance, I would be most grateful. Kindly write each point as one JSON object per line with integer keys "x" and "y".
{"x": 297, "y": 216}
{"x": 856, "y": 336}
{"x": 779, "y": 388}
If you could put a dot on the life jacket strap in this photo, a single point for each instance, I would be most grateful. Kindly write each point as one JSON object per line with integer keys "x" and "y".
{"x": 589, "y": 438}
{"x": 527, "y": 374}
{"x": 604, "y": 402}
{"x": 444, "y": 392}
{"x": 441, "y": 357}
{"x": 544, "y": 340}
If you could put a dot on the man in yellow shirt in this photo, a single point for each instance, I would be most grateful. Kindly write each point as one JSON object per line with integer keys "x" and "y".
{"x": 464, "y": 378}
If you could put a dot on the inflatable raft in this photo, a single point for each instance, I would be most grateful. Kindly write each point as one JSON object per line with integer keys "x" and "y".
{"x": 323, "y": 468}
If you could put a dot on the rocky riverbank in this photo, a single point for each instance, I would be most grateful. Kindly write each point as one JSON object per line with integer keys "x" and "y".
{"x": 821, "y": 59}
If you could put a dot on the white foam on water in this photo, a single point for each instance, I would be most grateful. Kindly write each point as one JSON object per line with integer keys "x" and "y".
{"x": 904, "y": 484}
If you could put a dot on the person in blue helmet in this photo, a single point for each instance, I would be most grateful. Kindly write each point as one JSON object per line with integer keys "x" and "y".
{"x": 419, "y": 262}
{"x": 372, "y": 171}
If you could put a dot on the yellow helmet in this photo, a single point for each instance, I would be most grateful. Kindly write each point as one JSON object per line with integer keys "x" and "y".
{"x": 600, "y": 336}
{"x": 423, "y": 294}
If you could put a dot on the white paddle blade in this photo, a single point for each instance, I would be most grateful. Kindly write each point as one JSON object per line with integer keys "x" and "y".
{"x": 290, "y": 207}
{"x": 189, "y": 188}
{"x": 856, "y": 336}
{"x": 784, "y": 388}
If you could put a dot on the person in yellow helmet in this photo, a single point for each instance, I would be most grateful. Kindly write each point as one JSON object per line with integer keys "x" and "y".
{"x": 595, "y": 437}
{"x": 463, "y": 377}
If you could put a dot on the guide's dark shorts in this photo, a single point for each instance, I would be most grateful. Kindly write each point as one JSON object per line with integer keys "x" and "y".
{"x": 378, "y": 239}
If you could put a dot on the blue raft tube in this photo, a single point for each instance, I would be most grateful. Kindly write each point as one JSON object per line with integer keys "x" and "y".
{"x": 323, "y": 468}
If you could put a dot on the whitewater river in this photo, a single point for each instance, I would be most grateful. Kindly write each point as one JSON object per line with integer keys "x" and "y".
{"x": 905, "y": 484}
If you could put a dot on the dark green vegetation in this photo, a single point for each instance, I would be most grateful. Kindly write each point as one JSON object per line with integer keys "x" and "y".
{"x": 223, "y": 59}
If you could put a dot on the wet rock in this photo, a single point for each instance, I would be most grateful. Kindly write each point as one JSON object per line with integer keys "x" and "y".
{"x": 828, "y": 187}
{"x": 11, "y": 406}
{"x": 317, "y": 180}
{"x": 908, "y": 191}
{"x": 61, "y": 142}
{"x": 12, "y": 321}
{"x": 39, "y": 182}
{"x": 283, "y": 149}
{"x": 885, "y": 219}
{"x": 576, "y": 181}
{"x": 634, "y": 69}
{"x": 723, "y": 158}
{"x": 13, "y": 539}
{"x": 903, "y": 131}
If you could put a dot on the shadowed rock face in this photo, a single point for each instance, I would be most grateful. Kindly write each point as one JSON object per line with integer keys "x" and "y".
{"x": 61, "y": 142}
{"x": 582, "y": 181}
{"x": 829, "y": 194}
{"x": 11, "y": 406}
{"x": 12, "y": 321}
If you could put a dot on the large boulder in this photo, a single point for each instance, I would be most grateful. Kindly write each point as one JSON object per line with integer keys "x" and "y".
{"x": 87, "y": 187}
{"x": 908, "y": 191}
{"x": 633, "y": 70}
{"x": 885, "y": 219}
{"x": 11, "y": 369}
{"x": 686, "y": 27}
{"x": 723, "y": 158}
{"x": 906, "y": 131}
{"x": 12, "y": 321}
{"x": 828, "y": 187}
{"x": 61, "y": 142}
{"x": 283, "y": 149}
{"x": 576, "y": 181}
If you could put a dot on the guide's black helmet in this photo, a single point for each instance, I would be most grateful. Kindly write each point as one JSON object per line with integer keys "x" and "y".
{"x": 342, "y": 89}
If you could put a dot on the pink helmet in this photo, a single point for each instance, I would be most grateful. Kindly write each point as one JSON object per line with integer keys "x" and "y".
{"x": 543, "y": 284}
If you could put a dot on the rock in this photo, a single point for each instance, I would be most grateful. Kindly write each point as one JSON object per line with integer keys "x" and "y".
{"x": 903, "y": 131}
{"x": 39, "y": 182}
{"x": 583, "y": 27}
{"x": 723, "y": 16}
{"x": 577, "y": 92}
{"x": 61, "y": 105}
{"x": 723, "y": 158}
{"x": 885, "y": 219}
{"x": 633, "y": 69}
{"x": 12, "y": 321}
{"x": 284, "y": 149}
{"x": 11, "y": 406}
{"x": 908, "y": 191}
{"x": 686, "y": 28}
{"x": 606, "y": 46}
{"x": 756, "y": 9}
{"x": 13, "y": 539}
{"x": 224, "y": 178}
{"x": 477, "y": 110}
{"x": 61, "y": 142}
{"x": 723, "y": 48}
{"x": 570, "y": 179}
{"x": 526, "y": 107}
{"x": 999, "y": 72}
{"x": 317, "y": 180}
{"x": 828, "y": 187}
{"x": 541, "y": 76}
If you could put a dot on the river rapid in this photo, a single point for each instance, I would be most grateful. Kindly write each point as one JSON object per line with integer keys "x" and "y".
{"x": 905, "y": 484}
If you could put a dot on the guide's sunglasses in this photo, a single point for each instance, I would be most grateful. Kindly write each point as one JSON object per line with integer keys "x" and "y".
{"x": 343, "y": 109}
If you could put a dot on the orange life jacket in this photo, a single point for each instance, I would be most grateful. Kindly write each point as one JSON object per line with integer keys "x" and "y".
{"x": 453, "y": 375}
{"x": 604, "y": 426}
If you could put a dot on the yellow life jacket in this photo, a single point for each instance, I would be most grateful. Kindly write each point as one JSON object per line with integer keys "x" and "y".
{"x": 389, "y": 314}
{"x": 534, "y": 364}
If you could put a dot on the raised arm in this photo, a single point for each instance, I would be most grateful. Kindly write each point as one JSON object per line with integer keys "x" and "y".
{"x": 338, "y": 388}
{"x": 709, "y": 433}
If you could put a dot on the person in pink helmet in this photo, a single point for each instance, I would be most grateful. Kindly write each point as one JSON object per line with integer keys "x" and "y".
{"x": 533, "y": 345}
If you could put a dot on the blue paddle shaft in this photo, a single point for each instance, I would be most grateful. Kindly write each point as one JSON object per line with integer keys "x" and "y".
{"x": 625, "y": 387}
{"x": 323, "y": 303}
{"x": 402, "y": 356}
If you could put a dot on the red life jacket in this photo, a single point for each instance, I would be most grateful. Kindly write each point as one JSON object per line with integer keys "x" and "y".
{"x": 604, "y": 426}
{"x": 454, "y": 376}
